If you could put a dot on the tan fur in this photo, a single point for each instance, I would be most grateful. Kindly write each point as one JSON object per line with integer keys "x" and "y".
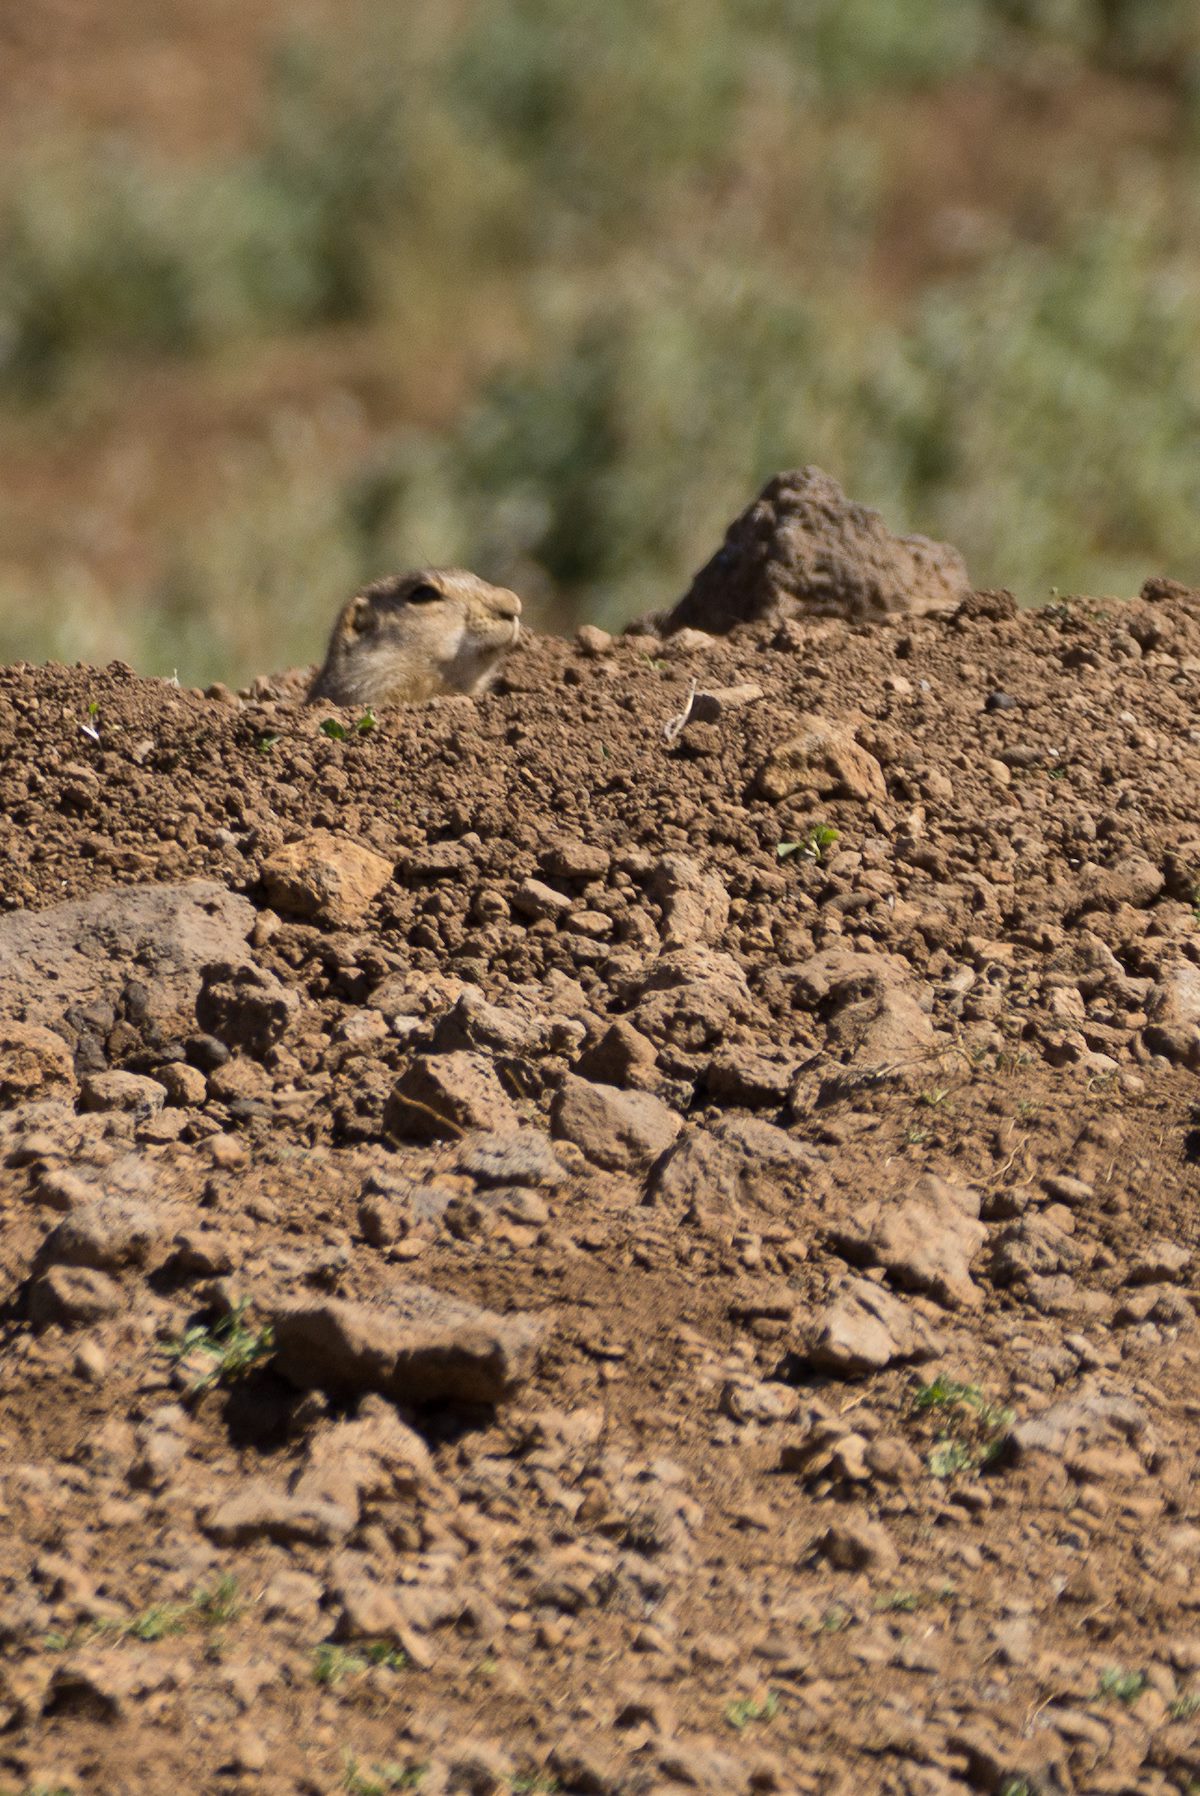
{"x": 388, "y": 648}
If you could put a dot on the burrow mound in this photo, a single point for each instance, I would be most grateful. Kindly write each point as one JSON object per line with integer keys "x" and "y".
{"x": 548, "y": 1246}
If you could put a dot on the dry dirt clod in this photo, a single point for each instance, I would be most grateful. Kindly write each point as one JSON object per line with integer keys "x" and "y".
{"x": 803, "y": 548}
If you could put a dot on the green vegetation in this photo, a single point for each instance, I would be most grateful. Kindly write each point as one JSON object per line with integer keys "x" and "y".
{"x": 337, "y": 732}
{"x": 812, "y": 845}
{"x": 971, "y": 1430}
{"x": 621, "y": 265}
{"x": 332, "y": 1665}
{"x": 380, "y": 1779}
{"x": 1118, "y": 1685}
{"x": 210, "y": 1606}
{"x": 747, "y": 1709}
{"x": 230, "y": 1344}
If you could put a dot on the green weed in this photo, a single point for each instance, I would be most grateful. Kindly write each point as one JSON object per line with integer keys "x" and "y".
{"x": 230, "y": 1344}
{"x": 971, "y": 1429}
{"x": 812, "y": 845}
{"x": 380, "y": 1779}
{"x": 332, "y": 1664}
{"x": 1118, "y": 1685}
{"x": 747, "y": 1709}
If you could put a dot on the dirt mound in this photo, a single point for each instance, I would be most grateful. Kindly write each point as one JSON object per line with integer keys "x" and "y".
{"x": 629, "y": 1258}
{"x": 803, "y": 548}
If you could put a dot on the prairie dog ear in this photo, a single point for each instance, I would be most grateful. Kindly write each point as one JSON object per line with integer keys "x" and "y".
{"x": 360, "y": 616}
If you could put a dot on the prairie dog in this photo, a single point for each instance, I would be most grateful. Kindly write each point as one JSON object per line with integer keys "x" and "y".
{"x": 413, "y": 636}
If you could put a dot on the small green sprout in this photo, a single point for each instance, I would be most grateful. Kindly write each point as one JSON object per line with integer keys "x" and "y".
{"x": 812, "y": 845}
{"x": 1118, "y": 1685}
{"x": 740, "y": 1714}
{"x": 231, "y": 1344}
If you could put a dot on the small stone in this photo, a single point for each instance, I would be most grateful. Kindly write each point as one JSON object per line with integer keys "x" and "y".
{"x": 533, "y": 898}
{"x": 863, "y": 1329}
{"x": 593, "y": 642}
{"x": 568, "y": 857}
{"x": 856, "y": 1543}
{"x": 260, "y": 1510}
{"x": 34, "y": 1063}
{"x": 324, "y": 877}
{"x": 75, "y": 1296}
{"x": 821, "y": 757}
{"x": 442, "y": 1097}
{"x": 106, "y": 1234}
{"x": 524, "y": 1158}
{"x": 415, "y": 1345}
{"x": 122, "y": 1091}
{"x": 621, "y": 1131}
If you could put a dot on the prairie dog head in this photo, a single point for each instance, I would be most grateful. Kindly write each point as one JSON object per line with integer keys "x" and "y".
{"x": 413, "y": 636}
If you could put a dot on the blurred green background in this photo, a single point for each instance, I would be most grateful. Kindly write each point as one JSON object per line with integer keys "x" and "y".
{"x": 292, "y": 295}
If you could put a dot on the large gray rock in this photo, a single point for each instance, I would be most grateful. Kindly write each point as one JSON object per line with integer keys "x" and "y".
{"x": 136, "y": 952}
{"x": 804, "y": 549}
{"x": 415, "y": 1345}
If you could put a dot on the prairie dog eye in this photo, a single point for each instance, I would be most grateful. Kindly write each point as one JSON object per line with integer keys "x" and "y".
{"x": 423, "y": 594}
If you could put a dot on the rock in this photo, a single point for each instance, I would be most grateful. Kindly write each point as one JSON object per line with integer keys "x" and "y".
{"x": 106, "y": 1234}
{"x": 621, "y": 1131}
{"x": 122, "y": 1091}
{"x": 260, "y": 1510}
{"x": 621, "y": 1055}
{"x": 34, "y": 1063}
{"x": 924, "y": 1242}
{"x": 1173, "y": 1015}
{"x": 803, "y": 549}
{"x": 414, "y": 1345}
{"x": 473, "y": 1023}
{"x": 533, "y": 898}
{"x": 244, "y": 1007}
{"x": 1080, "y": 1422}
{"x": 325, "y": 877}
{"x": 1161, "y": 1262}
{"x": 823, "y": 758}
{"x": 856, "y": 1543}
{"x": 863, "y": 1329}
{"x": 75, "y": 1296}
{"x": 742, "y": 1162}
{"x": 695, "y": 904}
{"x": 524, "y": 1158}
{"x": 593, "y": 641}
{"x": 442, "y": 1097}
{"x": 1132, "y": 880}
{"x": 138, "y": 950}
{"x": 99, "y": 1685}
{"x": 568, "y": 857}
{"x": 185, "y": 1086}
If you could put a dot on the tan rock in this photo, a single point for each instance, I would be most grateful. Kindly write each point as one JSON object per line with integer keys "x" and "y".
{"x": 821, "y": 757}
{"x": 324, "y": 877}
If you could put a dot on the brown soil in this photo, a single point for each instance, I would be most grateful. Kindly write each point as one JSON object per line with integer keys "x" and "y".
{"x": 831, "y": 1422}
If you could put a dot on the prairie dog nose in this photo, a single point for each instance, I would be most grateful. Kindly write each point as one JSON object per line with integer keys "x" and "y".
{"x": 503, "y": 602}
